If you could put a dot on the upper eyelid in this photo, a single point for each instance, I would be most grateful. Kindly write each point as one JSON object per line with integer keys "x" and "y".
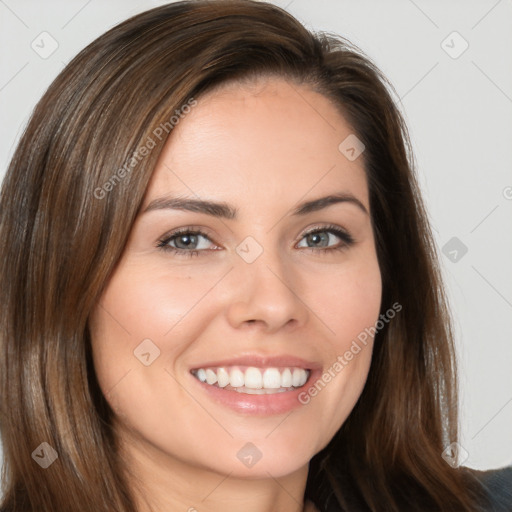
{"x": 189, "y": 229}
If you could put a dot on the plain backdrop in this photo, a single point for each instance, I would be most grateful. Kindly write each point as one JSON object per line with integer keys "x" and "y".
{"x": 451, "y": 65}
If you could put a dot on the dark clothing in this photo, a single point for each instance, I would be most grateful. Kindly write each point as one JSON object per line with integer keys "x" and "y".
{"x": 497, "y": 485}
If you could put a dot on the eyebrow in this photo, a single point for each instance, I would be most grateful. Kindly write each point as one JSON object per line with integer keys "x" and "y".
{"x": 226, "y": 211}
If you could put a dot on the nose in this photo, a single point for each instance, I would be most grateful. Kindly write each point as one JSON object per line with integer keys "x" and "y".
{"x": 266, "y": 293}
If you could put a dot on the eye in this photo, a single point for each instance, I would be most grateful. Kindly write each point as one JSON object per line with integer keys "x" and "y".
{"x": 187, "y": 242}
{"x": 191, "y": 242}
{"x": 324, "y": 237}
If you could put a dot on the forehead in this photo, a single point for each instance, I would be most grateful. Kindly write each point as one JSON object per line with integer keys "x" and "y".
{"x": 271, "y": 140}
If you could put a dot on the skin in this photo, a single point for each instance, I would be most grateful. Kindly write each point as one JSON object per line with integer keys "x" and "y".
{"x": 262, "y": 148}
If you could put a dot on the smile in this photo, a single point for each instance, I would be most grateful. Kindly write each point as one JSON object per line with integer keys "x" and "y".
{"x": 252, "y": 380}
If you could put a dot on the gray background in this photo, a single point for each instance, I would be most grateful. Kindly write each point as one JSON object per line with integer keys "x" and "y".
{"x": 459, "y": 112}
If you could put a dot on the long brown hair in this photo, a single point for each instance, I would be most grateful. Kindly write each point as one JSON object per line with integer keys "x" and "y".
{"x": 70, "y": 197}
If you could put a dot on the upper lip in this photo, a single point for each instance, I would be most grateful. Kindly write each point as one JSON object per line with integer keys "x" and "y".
{"x": 261, "y": 361}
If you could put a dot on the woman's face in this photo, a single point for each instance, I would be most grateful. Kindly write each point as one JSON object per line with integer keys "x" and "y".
{"x": 245, "y": 281}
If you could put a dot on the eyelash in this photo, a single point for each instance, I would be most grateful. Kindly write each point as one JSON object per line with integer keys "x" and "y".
{"x": 347, "y": 240}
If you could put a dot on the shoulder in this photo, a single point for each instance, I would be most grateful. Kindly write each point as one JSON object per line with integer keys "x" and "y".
{"x": 497, "y": 485}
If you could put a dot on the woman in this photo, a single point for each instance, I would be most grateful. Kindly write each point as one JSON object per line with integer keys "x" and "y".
{"x": 219, "y": 286}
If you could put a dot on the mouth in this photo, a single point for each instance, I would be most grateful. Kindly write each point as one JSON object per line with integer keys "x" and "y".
{"x": 252, "y": 380}
{"x": 256, "y": 385}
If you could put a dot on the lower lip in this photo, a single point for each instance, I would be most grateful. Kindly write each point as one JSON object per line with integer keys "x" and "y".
{"x": 264, "y": 405}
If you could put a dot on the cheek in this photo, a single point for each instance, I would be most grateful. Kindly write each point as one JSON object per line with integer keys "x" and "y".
{"x": 348, "y": 303}
{"x": 146, "y": 302}
{"x": 145, "y": 310}
{"x": 152, "y": 302}
{"x": 348, "y": 299}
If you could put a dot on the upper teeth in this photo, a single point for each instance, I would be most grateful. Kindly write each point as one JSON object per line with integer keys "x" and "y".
{"x": 254, "y": 378}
